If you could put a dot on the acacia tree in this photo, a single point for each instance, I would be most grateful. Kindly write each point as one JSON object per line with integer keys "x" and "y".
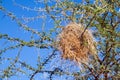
{"x": 101, "y": 16}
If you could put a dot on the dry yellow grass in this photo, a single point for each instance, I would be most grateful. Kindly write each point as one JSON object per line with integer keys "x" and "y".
{"x": 73, "y": 46}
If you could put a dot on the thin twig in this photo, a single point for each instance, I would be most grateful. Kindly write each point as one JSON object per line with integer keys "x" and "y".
{"x": 37, "y": 71}
{"x": 87, "y": 26}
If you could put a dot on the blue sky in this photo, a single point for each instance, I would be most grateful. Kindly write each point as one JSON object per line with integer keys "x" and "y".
{"x": 28, "y": 54}
{"x": 10, "y": 27}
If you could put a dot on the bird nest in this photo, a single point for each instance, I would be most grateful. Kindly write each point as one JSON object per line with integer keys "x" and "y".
{"x": 74, "y": 45}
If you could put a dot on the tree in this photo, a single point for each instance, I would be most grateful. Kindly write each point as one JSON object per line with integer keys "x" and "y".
{"x": 101, "y": 16}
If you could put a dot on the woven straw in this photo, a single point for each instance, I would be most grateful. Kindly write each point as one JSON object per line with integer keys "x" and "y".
{"x": 75, "y": 47}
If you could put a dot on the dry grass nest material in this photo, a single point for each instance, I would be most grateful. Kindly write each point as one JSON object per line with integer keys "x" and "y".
{"x": 75, "y": 47}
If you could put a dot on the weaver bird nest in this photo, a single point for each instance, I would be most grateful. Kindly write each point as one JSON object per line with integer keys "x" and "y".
{"x": 76, "y": 45}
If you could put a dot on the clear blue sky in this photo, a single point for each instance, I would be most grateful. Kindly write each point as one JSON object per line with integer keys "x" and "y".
{"x": 10, "y": 27}
{"x": 29, "y": 55}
